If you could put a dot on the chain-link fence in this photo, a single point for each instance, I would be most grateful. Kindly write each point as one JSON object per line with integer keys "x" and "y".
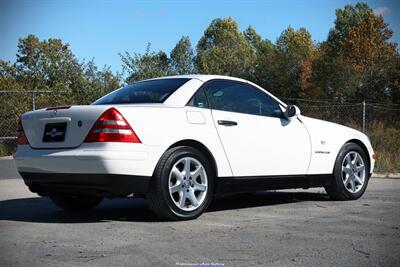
{"x": 14, "y": 103}
{"x": 362, "y": 116}
{"x": 380, "y": 121}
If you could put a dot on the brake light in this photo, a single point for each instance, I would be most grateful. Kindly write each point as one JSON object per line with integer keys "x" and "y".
{"x": 112, "y": 127}
{"x": 59, "y": 107}
{"x": 21, "y": 139}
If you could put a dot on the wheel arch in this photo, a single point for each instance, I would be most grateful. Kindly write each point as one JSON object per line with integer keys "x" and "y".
{"x": 202, "y": 148}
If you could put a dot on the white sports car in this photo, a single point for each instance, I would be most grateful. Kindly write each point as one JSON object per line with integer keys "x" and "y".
{"x": 180, "y": 140}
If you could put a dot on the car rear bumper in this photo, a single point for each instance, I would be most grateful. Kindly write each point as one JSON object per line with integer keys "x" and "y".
{"x": 85, "y": 184}
{"x": 91, "y": 158}
{"x": 107, "y": 169}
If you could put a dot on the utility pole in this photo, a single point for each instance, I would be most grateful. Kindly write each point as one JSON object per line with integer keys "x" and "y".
{"x": 33, "y": 101}
{"x": 363, "y": 117}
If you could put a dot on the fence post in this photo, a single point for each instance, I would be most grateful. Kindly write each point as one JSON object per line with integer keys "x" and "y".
{"x": 363, "y": 118}
{"x": 33, "y": 100}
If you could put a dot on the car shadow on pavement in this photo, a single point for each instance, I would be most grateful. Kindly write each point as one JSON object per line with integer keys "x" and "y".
{"x": 267, "y": 198}
{"x": 41, "y": 209}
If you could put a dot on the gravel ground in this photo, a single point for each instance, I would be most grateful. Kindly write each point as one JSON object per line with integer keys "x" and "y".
{"x": 291, "y": 227}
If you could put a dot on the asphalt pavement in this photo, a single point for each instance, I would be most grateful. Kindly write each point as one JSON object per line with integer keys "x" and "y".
{"x": 7, "y": 169}
{"x": 283, "y": 228}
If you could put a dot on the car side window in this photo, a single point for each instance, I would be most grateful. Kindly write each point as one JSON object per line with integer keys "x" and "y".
{"x": 199, "y": 100}
{"x": 240, "y": 97}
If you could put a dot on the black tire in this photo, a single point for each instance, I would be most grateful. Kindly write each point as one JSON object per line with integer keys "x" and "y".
{"x": 337, "y": 190}
{"x": 76, "y": 203}
{"x": 159, "y": 199}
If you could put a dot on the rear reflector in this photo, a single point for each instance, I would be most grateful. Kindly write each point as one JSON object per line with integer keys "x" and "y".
{"x": 112, "y": 127}
{"x": 60, "y": 107}
{"x": 21, "y": 139}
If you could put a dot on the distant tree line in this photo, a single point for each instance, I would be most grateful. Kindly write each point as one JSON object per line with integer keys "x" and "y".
{"x": 356, "y": 62}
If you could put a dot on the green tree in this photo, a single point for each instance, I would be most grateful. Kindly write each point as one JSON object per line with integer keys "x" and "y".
{"x": 182, "y": 57}
{"x": 9, "y": 77}
{"x": 262, "y": 50}
{"x": 48, "y": 64}
{"x": 12, "y": 105}
{"x": 224, "y": 50}
{"x": 146, "y": 66}
{"x": 51, "y": 65}
{"x": 255, "y": 40}
{"x": 295, "y": 46}
{"x": 99, "y": 82}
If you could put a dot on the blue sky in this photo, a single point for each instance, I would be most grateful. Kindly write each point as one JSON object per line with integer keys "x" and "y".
{"x": 102, "y": 29}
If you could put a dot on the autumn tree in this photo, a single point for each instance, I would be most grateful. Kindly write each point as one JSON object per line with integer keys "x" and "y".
{"x": 357, "y": 56}
{"x": 284, "y": 68}
{"x": 294, "y": 50}
{"x": 346, "y": 18}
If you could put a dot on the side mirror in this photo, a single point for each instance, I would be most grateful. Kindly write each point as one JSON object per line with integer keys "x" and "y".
{"x": 292, "y": 111}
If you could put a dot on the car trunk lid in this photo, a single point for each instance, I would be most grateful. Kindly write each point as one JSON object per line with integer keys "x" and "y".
{"x": 60, "y": 127}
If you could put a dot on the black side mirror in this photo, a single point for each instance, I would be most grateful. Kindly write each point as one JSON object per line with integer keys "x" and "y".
{"x": 292, "y": 111}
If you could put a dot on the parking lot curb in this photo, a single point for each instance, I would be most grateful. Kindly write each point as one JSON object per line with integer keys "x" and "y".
{"x": 388, "y": 175}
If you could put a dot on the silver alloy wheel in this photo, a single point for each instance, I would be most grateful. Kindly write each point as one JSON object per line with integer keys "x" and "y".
{"x": 188, "y": 184}
{"x": 353, "y": 172}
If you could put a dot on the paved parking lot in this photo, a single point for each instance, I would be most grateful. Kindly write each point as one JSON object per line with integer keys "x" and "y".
{"x": 292, "y": 227}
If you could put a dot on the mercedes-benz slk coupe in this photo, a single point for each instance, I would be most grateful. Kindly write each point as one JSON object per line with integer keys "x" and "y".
{"x": 178, "y": 141}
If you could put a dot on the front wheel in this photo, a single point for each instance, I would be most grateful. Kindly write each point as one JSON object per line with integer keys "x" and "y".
{"x": 75, "y": 202}
{"x": 182, "y": 184}
{"x": 350, "y": 175}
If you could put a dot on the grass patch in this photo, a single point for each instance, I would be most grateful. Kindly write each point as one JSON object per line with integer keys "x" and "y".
{"x": 7, "y": 147}
{"x": 386, "y": 143}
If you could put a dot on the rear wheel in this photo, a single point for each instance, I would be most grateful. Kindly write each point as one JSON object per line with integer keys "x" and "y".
{"x": 182, "y": 184}
{"x": 76, "y": 203}
{"x": 350, "y": 173}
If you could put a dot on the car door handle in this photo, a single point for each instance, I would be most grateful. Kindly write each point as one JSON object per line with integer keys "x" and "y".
{"x": 227, "y": 123}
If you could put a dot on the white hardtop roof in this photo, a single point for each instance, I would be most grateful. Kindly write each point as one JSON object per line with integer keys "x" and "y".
{"x": 202, "y": 77}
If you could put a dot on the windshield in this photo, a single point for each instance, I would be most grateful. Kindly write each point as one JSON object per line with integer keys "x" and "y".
{"x": 153, "y": 91}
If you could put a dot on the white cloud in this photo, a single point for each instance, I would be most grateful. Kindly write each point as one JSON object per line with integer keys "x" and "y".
{"x": 381, "y": 10}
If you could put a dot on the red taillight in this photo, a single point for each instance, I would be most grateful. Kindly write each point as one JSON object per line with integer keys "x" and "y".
{"x": 112, "y": 127}
{"x": 59, "y": 107}
{"x": 21, "y": 139}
